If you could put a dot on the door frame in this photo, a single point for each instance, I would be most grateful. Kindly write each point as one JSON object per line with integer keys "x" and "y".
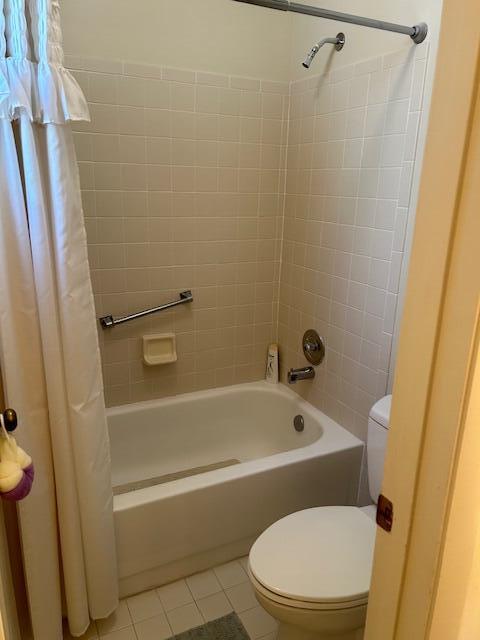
{"x": 9, "y": 625}
{"x": 435, "y": 358}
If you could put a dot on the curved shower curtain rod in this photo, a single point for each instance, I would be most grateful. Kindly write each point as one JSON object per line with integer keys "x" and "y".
{"x": 417, "y": 33}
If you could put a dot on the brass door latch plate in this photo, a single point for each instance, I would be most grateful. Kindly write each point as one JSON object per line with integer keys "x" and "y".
{"x": 385, "y": 513}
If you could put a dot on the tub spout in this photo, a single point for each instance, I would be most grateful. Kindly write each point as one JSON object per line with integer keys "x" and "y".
{"x": 306, "y": 373}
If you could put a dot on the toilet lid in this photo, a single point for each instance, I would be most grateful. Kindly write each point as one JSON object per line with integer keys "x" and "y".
{"x": 321, "y": 555}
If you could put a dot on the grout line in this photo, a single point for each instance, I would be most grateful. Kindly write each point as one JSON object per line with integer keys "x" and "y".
{"x": 223, "y": 590}
{"x": 292, "y": 99}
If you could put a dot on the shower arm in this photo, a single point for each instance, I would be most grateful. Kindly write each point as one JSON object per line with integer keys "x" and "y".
{"x": 417, "y": 33}
{"x": 323, "y": 41}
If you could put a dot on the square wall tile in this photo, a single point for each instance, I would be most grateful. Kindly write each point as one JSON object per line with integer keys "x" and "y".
{"x": 300, "y": 193}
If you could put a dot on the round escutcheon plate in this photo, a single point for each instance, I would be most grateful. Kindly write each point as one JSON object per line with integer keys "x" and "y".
{"x": 313, "y": 347}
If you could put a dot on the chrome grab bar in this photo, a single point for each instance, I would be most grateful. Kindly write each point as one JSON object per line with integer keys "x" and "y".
{"x": 109, "y": 321}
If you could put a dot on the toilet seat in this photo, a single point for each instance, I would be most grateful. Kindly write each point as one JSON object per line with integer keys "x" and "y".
{"x": 299, "y": 604}
{"x": 317, "y": 559}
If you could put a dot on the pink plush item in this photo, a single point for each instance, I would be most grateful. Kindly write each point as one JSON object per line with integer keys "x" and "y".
{"x": 23, "y": 488}
{"x": 16, "y": 469}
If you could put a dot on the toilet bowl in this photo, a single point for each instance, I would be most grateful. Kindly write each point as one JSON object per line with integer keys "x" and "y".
{"x": 311, "y": 570}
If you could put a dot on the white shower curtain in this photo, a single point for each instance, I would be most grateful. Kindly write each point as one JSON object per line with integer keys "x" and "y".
{"x": 49, "y": 353}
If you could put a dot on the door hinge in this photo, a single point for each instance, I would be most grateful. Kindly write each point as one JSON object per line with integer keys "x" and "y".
{"x": 385, "y": 513}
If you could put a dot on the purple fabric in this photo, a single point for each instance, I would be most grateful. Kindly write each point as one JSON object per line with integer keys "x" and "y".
{"x": 23, "y": 488}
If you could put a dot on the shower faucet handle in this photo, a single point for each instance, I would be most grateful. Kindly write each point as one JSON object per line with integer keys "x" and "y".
{"x": 313, "y": 347}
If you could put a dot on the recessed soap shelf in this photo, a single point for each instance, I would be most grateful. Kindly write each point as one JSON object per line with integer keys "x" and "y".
{"x": 159, "y": 348}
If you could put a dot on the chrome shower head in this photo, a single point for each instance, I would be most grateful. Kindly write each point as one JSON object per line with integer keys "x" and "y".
{"x": 311, "y": 55}
{"x": 338, "y": 41}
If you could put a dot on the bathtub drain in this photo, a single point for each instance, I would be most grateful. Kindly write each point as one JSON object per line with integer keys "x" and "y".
{"x": 299, "y": 423}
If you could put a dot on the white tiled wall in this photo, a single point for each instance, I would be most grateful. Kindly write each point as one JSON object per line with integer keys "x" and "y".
{"x": 182, "y": 175}
{"x": 284, "y": 207}
{"x": 351, "y": 148}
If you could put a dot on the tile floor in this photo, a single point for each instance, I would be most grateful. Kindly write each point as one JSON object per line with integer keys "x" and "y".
{"x": 161, "y": 613}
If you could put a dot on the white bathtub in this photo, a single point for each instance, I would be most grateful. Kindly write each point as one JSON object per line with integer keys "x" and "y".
{"x": 181, "y": 525}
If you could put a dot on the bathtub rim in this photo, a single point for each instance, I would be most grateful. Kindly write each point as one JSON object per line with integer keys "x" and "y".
{"x": 278, "y": 388}
{"x": 333, "y": 437}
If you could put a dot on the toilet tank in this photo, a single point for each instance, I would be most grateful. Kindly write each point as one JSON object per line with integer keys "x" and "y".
{"x": 378, "y": 423}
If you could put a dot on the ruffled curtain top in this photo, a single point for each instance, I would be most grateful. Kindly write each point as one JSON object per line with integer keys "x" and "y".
{"x": 33, "y": 80}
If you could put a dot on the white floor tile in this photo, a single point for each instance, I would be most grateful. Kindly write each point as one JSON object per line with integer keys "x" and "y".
{"x": 144, "y": 605}
{"x": 184, "y": 618}
{"x": 244, "y": 562}
{"x": 156, "y": 628}
{"x": 90, "y": 634}
{"x": 258, "y": 623}
{"x": 174, "y": 595}
{"x": 121, "y": 634}
{"x": 242, "y": 597}
{"x": 118, "y": 620}
{"x": 215, "y": 606}
{"x": 203, "y": 584}
{"x": 183, "y": 605}
{"x": 231, "y": 574}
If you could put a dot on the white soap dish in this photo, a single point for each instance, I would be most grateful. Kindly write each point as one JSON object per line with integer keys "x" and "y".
{"x": 159, "y": 348}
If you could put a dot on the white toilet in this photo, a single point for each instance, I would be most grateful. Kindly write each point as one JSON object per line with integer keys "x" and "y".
{"x": 311, "y": 570}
